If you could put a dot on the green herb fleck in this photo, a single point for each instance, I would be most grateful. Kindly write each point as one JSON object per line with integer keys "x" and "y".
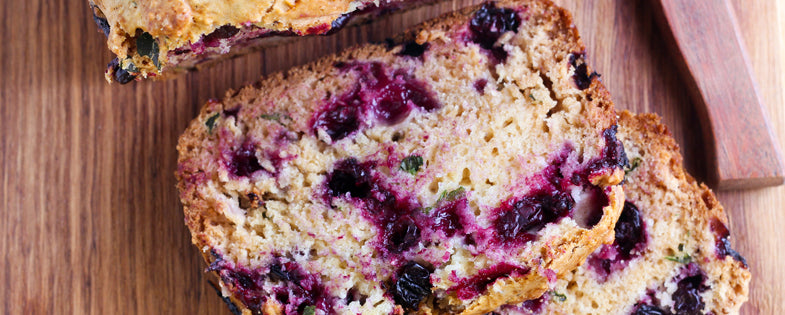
{"x": 683, "y": 260}
{"x": 210, "y": 122}
{"x": 531, "y": 96}
{"x": 452, "y": 194}
{"x": 558, "y": 296}
{"x": 681, "y": 247}
{"x": 309, "y": 310}
{"x": 411, "y": 164}
{"x": 633, "y": 165}
{"x": 277, "y": 117}
{"x": 427, "y": 210}
{"x": 147, "y": 46}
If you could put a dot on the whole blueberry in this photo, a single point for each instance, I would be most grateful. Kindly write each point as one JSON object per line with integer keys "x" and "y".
{"x": 650, "y": 310}
{"x": 490, "y": 22}
{"x": 413, "y": 285}
{"x": 629, "y": 230}
{"x": 119, "y": 74}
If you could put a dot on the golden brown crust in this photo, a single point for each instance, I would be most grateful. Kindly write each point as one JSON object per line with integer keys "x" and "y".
{"x": 531, "y": 285}
{"x": 181, "y": 21}
{"x": 178, "y": 23}
{"x": 594, "y": 111}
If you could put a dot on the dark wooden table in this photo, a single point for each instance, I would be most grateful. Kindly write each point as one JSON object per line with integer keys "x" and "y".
{"x": 89, "y": 216}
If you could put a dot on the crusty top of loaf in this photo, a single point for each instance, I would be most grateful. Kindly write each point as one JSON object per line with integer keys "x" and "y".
{"x": 173, "y": 24}
{"x": 493, "y": 139}
{"x": 176, "y": 22}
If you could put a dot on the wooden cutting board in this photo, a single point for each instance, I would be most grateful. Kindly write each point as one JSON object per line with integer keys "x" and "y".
{"x": 90, "y": 220}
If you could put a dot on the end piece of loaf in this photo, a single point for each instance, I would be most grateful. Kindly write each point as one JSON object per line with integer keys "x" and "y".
{"x": 463, "y": 166}
{"x": 671, "y": 254}
{"x": 158, "y": 38}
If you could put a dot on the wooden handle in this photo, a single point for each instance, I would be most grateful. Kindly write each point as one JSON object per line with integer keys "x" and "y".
{"x": 705, "y": 36}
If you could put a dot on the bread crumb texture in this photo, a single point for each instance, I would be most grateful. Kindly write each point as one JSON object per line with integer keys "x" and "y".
{"x": 466, "y": 165}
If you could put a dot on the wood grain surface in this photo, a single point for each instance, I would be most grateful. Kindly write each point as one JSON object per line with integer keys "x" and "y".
{"x": 90, "y": 222}
{"x": 704, "y": 40}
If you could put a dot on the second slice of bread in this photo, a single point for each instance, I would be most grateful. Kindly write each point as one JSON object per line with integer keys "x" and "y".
{"x": 672, "y": 251}
{"x": 461, "y": 167}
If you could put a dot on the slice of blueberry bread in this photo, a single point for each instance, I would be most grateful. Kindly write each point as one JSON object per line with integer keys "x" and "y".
{"x": 460, "y": 167}
{"x": 155, "y": 38}
{"x": 671, "y": 254}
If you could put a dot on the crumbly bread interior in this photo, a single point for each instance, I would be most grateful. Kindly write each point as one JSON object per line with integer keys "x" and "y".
{"x": 495, "y": 128}
{"x": 686, "y": 235}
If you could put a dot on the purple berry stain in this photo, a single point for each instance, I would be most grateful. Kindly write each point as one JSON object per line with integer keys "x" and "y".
{"x": 413, "y": 284}
{"x": 479, "y": 86}
{"x": 391, "y": 105}
{"x": 244, "y": 161}
{"x": 380, "y": 94}
{"x": 630, "y": 232}
{"x": 690, "y": 283}
{"x": 723, "y": 248}
{"x": 451, "y": 216}
{"x": 489, "y": 24}
{"x": 350, "y": 177}
{"x": 519, "y": 219}
{"x": 630, "y": 241}
{"x": 581, "y": 75}
{"x": 469, "y": 288}
{"x": 533, "y": 306}
{"x": 687, "y": 299}
{"x": 398, "y": 217}
{"x": 394, "y": 216}
{"x": 214, "y": 39}
{"x": 400, "y": 235}
{"x": 341, "y": 117}
{"x": 613, "y": 156}
{"x": 598, "y": 199}
{"x": 650, "y": 310}
{"x": 286, "y": 282}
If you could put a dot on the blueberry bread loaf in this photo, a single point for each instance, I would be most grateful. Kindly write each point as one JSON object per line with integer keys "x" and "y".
{"x": 161, "y": 37}
{"x": 671, "y": 254}
{"x": 462, "y": 166}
